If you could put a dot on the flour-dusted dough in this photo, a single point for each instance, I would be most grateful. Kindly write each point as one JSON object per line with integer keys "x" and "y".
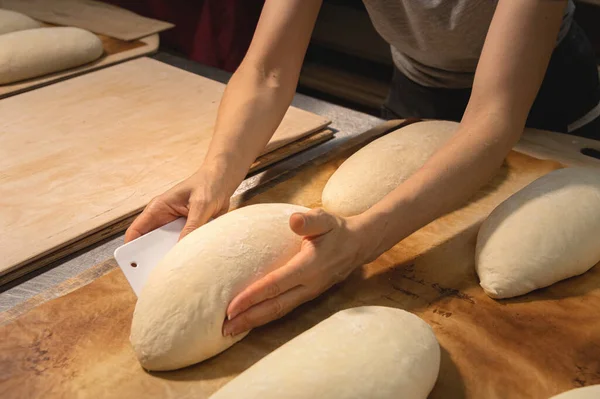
{"x": 35, "y": 52}
{"x": 547, "y": 232}
{"x": 377, "y": 169}
{"x": 589, "y": 392}
{"x": 11, "y": 21}
{"x": 179, "y": 315}
{"x": 365, "y": 352}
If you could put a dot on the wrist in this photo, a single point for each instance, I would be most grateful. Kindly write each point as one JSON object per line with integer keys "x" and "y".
{"x": 223, "y": 172}
{"x": 370, "y": 229}
{"x": 384, "y": 225}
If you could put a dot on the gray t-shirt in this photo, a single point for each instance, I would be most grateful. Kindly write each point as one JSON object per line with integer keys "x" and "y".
{"x": 437, "y": 43}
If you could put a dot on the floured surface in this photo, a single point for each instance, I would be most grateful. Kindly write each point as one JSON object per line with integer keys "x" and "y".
{"x": 96, "y": 148}
{"x": 534, "y": 346}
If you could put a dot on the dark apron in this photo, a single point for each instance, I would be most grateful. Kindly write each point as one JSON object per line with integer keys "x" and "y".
{"x": 569, "y": 91}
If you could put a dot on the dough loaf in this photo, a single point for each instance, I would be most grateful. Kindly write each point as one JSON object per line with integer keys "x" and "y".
{"x": 11, "y": 21}
{"x": 547, "y": 232}
{"x": 377, "y": 169}
{"x": 589, "y": 392}
{"x": 35, "y": 52}
{"x": 371, "y": 352}
{"x": 179, "y": 315}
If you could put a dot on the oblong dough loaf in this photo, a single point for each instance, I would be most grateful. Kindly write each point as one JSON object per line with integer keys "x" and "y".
{"x": 377, "y": 169}
{"x": 36, "y": 52}
{"x": 11, "y": 21}
{"x": 365, "y": 352}
{"x": 179, "y": 315}
{"x": 589, "y": 392}
{"x": 544, "y": 233}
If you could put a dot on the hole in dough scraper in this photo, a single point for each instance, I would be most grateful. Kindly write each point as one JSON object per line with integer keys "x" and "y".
{"x": 138, "y": 257}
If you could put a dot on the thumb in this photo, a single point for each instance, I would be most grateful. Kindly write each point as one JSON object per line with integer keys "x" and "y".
{"x": 197, "y": 216}
{"x": 312, "y": 223}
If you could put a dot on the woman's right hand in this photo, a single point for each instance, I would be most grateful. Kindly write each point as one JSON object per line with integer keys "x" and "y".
{"x": 199, "y": 198}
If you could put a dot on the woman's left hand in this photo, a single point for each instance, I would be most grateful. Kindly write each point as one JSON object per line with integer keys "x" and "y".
{"x": 332, "y": 247}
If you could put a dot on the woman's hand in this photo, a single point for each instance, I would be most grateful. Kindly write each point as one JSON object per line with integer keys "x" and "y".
{"x": 198, "y": 198}
{"x": 332, "y": 247}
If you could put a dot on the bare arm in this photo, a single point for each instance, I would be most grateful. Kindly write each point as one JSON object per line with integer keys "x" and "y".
{"x": 515, "y": 56}
{"x": 253, "y": 105}
{"x": 261, "y": 90}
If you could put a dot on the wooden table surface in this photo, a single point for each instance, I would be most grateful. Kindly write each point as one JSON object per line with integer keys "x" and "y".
{"x": 533, "y": 346}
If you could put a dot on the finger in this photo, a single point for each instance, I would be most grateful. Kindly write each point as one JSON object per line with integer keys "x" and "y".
{"x": 267, "y": 311}
{"x": 272, "y": 285}
{"x": 153, "y": 217}
{"x": 312, "y": 223}
{"x": 198, "y": 215}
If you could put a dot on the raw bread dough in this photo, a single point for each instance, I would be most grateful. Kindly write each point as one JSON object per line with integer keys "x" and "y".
{"x": 365, "y": 352}
{"x": 179, "y": 315}
{"x": 377, "y": 169}
{"x": 589, "y": 392}
{"x": 547, "y": 232}
{"x": 36, "y": 52}
{"x": 11, "y": 21}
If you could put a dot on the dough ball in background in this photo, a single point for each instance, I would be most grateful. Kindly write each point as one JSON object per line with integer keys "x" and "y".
{"x": 179, "y": 316}
{"x": 544, "y": 233}
{"x": 378, "y": 168}
{"x": 371, "y": 352}
{"x": 11, "y": 21}
{"x": 36, "y": 52}
{"x": 589, "y": 392}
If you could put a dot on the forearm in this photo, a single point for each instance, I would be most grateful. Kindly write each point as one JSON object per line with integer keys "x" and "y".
{"x": 251, "y": 109}
{"x": 261, "y": 90}
{"x": 511, "y": 68}
{"x": 449, "y": 178}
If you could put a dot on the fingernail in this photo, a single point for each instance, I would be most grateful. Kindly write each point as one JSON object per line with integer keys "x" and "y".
{"x": 227, "y": 331}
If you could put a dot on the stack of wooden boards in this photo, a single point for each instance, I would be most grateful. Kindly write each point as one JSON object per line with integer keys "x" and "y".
{"x": 79, "y": 158}
{"x": 530, "y": 346}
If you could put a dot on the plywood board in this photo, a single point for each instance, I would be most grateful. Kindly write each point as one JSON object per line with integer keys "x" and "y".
{"x": 81, "y": 154}
{"x": 533, "y": 346}
{"x": 94, "y": 16}
{"x": 118, "y": 226}
{"x": 295, "y": 147}
{"x": 115, "y": 51}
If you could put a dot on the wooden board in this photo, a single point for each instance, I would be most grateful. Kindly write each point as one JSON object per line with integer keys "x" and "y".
{"x": 295, "y": 147}
{"x": 93, "y": 150}
{"x": 94, "y": 16}
{"x": 115, "y": 51}
{"x": 533, "y": 346}
{"x": 120, "y": 225}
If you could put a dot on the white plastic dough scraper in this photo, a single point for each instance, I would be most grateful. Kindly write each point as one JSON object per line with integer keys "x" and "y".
{"x": 138, "y": 257}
